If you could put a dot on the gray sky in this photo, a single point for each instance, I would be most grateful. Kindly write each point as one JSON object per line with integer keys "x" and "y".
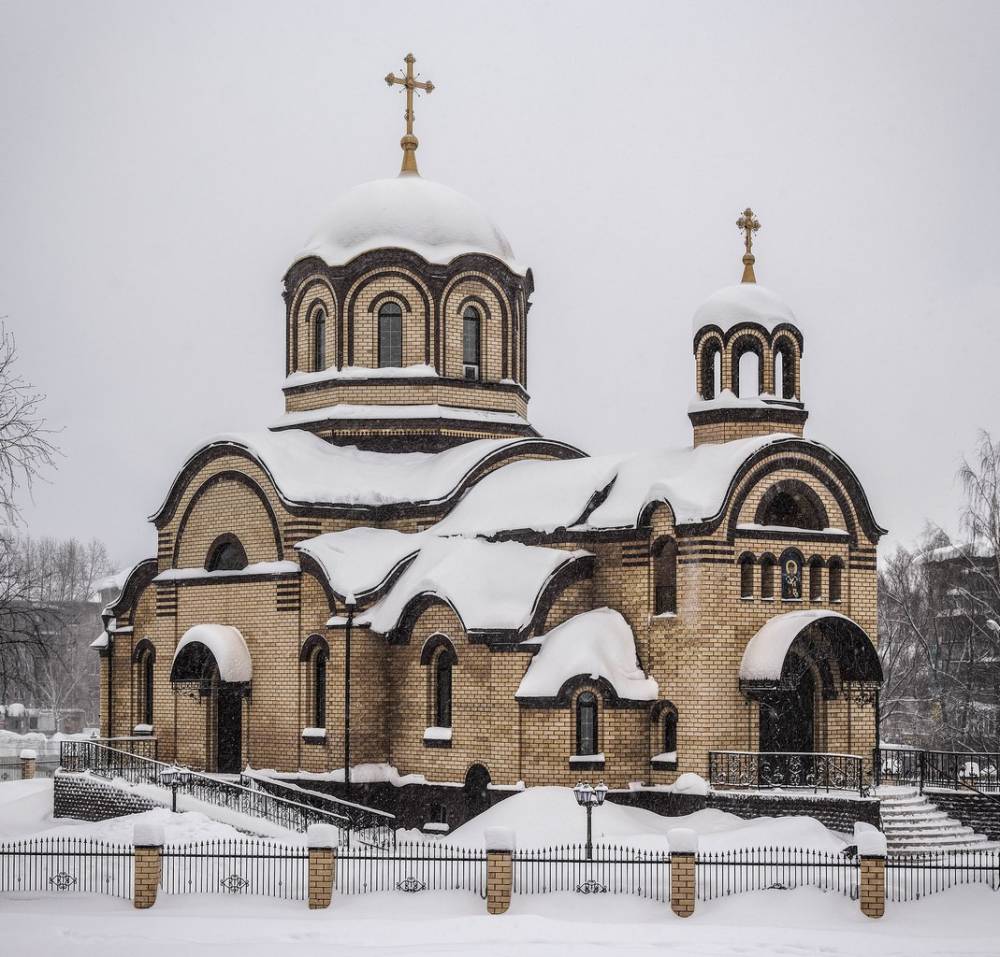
{"x": 162, "y": 163}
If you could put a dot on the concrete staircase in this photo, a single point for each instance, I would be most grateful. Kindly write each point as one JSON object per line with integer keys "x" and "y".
{"x": 913, "y": 825}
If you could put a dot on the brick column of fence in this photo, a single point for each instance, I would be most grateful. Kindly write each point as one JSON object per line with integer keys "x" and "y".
{"x": 29, "y": 758}
{"x": 322, "y": 840}
{"x": 499, "y": 868}
{"x": 683, "y": 844}
{"x": 872, "y": 851}
{"x": 148, "y": 840}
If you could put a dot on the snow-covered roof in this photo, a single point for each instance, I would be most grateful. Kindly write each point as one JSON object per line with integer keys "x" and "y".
{"x": 307, "y": 469}
{"x": 407, "y": 212}
{"x": 259, "y": 569}
{"x": 764, "y": 655}
{"x": 347, "y": 373}
{"x": 101, "y": 641}
{"x": 493, "y": 586}
{"x": 743, "y": 302}
{"x": 343, "y": 410}
{"x": 598, "y": 644}
{"x": 111, "y": 583}
{"x": 227, "y": 647}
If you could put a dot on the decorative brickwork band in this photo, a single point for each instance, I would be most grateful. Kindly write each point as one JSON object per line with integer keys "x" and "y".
{"x": 148, "y": 860}
{"x": 872, "y": 850}
{"x": 500, "y": 844}
{"x": 683, "y": 847}
{"x": 322, "y": 839}
{"x": 28, "y": 761}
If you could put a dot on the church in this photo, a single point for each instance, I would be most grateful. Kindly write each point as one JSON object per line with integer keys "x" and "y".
{"x": 401, "y": 577}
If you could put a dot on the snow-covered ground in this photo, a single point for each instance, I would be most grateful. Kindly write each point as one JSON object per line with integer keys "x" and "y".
{"x": 958, "y": 922}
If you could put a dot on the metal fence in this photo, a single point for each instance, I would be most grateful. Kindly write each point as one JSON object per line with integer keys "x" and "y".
{"x": 66, "y": 864}
{"x": 236, "y": 867}
{"x": 957, "y": 770}
{"x": 919, "y": 875}
{"x": 787, "y": 769}
{"x": 411, "y": 867}
{"x": 10, "y": 768}
{"x": 611, "y": 870}
{"x": 725, "y": 873}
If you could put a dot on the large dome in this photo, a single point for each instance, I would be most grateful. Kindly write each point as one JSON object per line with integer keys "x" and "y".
{"x": 744, "y": 302}
{"x": 407, "y": 212}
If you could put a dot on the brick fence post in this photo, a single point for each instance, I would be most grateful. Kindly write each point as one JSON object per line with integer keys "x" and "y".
{"x": 499, "y": 868}
{"x": 29, "y": 757}
{"x": 872, "y": 851}
{"x": 322, "y": 841}
{"x": 148, "y": 840}
{"x": 683, "y": 844}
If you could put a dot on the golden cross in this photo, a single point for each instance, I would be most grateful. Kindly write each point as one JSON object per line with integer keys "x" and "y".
{"x": 409, "y": 142}
{"x": 748, "y": 224}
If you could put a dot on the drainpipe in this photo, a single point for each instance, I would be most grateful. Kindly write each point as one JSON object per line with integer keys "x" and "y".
{"x": 350, "y": 604}
{"x": 106, "y": 620}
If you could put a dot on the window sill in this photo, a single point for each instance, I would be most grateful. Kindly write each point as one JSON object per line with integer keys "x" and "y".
{"x": 143, "y": 731}
{"x": 746, "y": 597}
{"x": 314, "y": 736}
{"x": 437, "y": 742}
{"x": 657, "y": 765}
{"x": 586, "y": 763}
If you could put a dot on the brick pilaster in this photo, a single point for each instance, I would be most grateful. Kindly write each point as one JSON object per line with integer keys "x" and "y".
{"x": 146, "y": 875}
{"x": 872, "y": 886}
{"x": 322, "y": 874}
{"x": 499, "y": 880}
{"x": 682, "y": 884}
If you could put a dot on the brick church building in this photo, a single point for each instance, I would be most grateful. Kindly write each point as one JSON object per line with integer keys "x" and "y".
{"x": 498, "y": 606}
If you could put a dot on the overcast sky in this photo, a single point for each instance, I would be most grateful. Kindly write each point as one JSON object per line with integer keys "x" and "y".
{"x": 162, "y": 163}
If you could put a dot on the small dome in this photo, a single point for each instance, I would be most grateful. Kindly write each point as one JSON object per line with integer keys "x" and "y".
{"x": 407, "y": 212}
{"x": 744, "y": 302}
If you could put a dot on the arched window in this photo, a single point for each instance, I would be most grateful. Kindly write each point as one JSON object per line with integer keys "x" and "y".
{"x": 670, "y": 733}
{"x": 746, "y": 576}
{"x": 748, "y": 367}
{"x": 792, "y": 504}
{"x": 442, "y": 688}
{"x": 665, "y": 588}
{"x": 836, "y": 577}
{"x": 319, "y": 340}
{"x": 767, "y": 576}
{"x": 226, "y": 555}
{"x": 390, "y": 334}
{"x": 144, "y": 658}
{"x": 711, "y": 370}
{"x": 816, "y": 579}
{"x": 784, "y": 369}
{"x": 779, "y": 387}
{"x": 471, "y": 331}
{"x": 791, "y": 575}
{"x": 586, "y": 723}
{"x": 320, "y": 659}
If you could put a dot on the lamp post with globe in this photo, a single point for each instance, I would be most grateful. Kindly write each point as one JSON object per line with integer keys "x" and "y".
{"x": 589, "y": 797}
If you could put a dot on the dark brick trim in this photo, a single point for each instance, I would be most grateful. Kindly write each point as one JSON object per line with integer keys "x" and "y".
{"x": 138, "y": 580}
{"x": 478, "y": 384}
{"x": 586, "y": 765}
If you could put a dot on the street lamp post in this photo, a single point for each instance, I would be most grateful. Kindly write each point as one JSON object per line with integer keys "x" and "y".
{"x": 350, "y": 604}
{"x": 173, "y": 778}
{"x": 589, "y": 797}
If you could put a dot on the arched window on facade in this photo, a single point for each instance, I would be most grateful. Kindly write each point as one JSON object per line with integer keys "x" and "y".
{"x": 836, "y": 579}
{"x": 784, "y": 369}
{"x": 442, "y": 688}
{"x": 816, "y": 579}
{"x": 319, "y": 340}
{"x": 471, "y": 343}
{"x": 315, "y": 654}
{"x": 226, "y": 555}
{"x": 746, "y": 575}
{"x": 144, "y": 658}
{"x": 792, "y": 504}
{"x": 670, "y": 734}
{"x": 747, "y": 367}
{"x": 586, "y": 723}
{"x": 390, "y": 334}
{"x": 665, "y": 576}
{"x": 767, "y": 565}
{"x": 791, "y": 574}
{"x": 711, "y": 370}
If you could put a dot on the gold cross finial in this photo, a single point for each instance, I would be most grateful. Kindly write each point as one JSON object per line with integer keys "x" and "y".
{"x": 409, "y": 142}
{"x": 748, "y": 225}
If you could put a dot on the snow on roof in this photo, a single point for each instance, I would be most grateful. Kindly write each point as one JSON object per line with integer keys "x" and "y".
{"x": 744, "y": 302}
{"x": 227, "y": 646}
{"x": 358, "y": 560}
{"x": 597, "y": 643}
{"x": 306, "y": 468}
{"x": 419, "y": 371}
{"x": 101, "y": 641}
{"x": 114, "y": 582}
{"x": 257, "y": 568}
{"x": 764, "y": 655}
{"x": 407, "y": 212}
{"x": 355, "y": 412}
{"x": 493, "y": 586}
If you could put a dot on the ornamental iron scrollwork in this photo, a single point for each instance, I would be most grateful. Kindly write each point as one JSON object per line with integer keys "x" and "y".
{"x": 591, "y": 887}
{"x": 411, "y": 885}
{"x": 62, "y": 881}
{"x": 235, "y": 883}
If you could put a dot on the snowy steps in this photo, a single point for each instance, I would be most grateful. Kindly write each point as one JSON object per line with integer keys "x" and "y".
{"x": 914, "y": 825}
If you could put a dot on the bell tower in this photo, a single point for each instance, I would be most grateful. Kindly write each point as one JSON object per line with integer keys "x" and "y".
{"x": 748, "y": 359}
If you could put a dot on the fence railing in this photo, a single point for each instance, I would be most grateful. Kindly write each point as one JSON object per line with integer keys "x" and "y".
{"x": 251, "y": 801}
{"x": 787, "y": 770}
{"x": 411, "y": 867}
{"x": 11, "y": 770}
{"x": 957, "y": 770}
{"x": 611, "y": 870}
{"x": 723, "y": 873}
{"x": 236, "y": 867}
{"x": 66, "y": 864}
{"x": 919, "y": 875}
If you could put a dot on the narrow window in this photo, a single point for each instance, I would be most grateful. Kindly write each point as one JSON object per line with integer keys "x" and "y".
{"x": 471, "y": 329}
{"x": 749, "y": 375}
{"x": 670, "y": 733}
{"x": 147, "y": 688}
{"x": 586, "y": 724}
{"x": 767, "y": 577}
{"x": 665, "y": 594}
{"x": 319, "y": 688}
{"x": 442, "y": 689}
{"x": 836, "y": 574}
{"x": 711, "y": 370}
{"x": 779, "y": 377}
{"x": 390, "y": 335}
{"x": 746, "y": 576}
{"x": 319, "y": 341}
{"x": 816, "y": 580}
{"x": 717, "y": 372}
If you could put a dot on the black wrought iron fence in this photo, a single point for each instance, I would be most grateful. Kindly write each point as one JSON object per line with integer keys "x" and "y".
{"x": 787, "y": 769}
{"x": 913, "y": 876}
{"x": 722, "y": 873}
{"x": 66, "y": 864}
{"x": 956, "y": 770}
{"x": 411, "y": 867}
{"x": 263, "y": 868}
{"x": 10, "y": 768}
{"x": 611, "y": 870}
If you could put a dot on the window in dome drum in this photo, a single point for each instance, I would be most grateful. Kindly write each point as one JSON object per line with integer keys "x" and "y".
{"x": 470, "y": 343}
{"x": 390, "y": 335}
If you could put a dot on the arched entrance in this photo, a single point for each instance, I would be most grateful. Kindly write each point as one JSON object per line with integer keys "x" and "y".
{"x": 787, "y": 717}
{"x": 476, "y": 790}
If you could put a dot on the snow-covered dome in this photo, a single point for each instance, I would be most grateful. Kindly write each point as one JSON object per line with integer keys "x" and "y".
{"x": 407, "y": 212}
{"x": 744, "y": 302}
